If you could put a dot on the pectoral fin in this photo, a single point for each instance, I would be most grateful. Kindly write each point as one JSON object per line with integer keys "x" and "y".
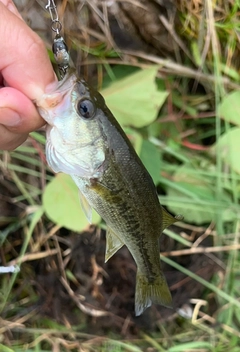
{"x": 109, "y": 195}
{"x": 168, "y": 219}
{"x": 113, "y": 244}
{"x": 85, "y": 207}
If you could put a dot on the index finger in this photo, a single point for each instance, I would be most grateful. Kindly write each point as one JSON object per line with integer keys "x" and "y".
{"x": 24, "y": 62}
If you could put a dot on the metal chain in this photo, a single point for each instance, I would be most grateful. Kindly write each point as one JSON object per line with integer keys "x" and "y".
{"x": 56, "y": 24}
{"x": 59, "y": 47}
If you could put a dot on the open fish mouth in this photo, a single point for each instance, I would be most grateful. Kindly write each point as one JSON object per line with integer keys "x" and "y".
{"x": 64, "y": 85}
{"x": 55, "y": 101}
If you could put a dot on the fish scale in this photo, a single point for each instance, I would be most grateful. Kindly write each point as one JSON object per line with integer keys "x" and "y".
{"x": 85, "y": 140}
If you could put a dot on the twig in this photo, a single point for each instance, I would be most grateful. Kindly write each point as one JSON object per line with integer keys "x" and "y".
{"x": 34, "y": 256}
{"x": 197, "y": 250}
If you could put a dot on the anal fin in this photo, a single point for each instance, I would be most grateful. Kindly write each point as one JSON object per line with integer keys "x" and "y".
{"x": 113, "y": 244}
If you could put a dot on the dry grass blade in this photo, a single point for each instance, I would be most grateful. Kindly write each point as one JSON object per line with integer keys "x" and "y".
{"x": 34, "y": 256}
{"x": 169, "y": 66}
{"x": 84, "y": 308}
{"x": 195, "y": 250}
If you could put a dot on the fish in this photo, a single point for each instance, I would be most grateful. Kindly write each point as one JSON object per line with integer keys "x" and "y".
{"x": 84, "y": 140}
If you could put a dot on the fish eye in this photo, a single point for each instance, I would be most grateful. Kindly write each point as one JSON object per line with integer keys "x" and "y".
{"x": 86, "y": 108}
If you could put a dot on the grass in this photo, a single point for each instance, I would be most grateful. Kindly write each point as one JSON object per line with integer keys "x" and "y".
{"x": 64, "y": 298}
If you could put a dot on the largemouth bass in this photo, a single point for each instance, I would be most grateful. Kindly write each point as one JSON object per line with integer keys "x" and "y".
{"x": 85, "y": 141}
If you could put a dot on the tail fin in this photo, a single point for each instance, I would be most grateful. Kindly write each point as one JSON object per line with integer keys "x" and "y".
{"x": 148, "y": 292}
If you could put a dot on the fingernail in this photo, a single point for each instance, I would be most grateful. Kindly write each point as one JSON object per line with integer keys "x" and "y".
{"x": 37, "y": 91}
{"x": 51, "y": 87}
{"x": 9, "y": 117}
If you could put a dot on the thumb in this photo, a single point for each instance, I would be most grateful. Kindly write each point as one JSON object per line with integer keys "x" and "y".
{"x": 26, "y": 66}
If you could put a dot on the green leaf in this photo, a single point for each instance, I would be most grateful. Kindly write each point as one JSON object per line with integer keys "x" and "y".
{"x": 228, "y": 147}
{"x": 119, "y": 72}
{"x": 193, "y": 196}
{"x": 5, "y": 348}
{"x": 135, "y": 138}
{"x": 151, "y": 158}
{"x": 135, "y": 100}
{"x": 229, "y": 109}
{"x": 62, "y": 205}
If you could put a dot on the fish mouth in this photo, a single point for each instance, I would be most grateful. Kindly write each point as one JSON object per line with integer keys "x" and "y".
{"x": 48, "y": 104}
{"x": 64, "y": 85}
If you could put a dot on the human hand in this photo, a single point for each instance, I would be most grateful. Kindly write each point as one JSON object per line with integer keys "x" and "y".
{"x": 25, "y": 72}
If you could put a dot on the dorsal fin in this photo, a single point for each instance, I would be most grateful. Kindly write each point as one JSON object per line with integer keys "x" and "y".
{"x": 113, "y": 244}
{"x": 168, "y": 219}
